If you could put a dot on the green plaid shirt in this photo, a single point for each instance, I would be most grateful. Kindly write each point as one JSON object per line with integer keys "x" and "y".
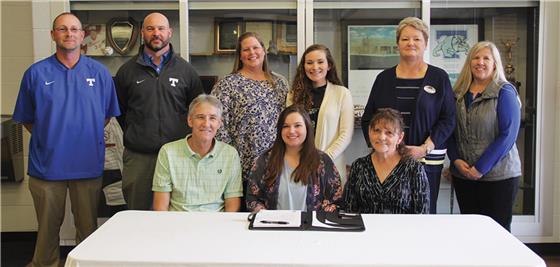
{"x": 195, "y": 183}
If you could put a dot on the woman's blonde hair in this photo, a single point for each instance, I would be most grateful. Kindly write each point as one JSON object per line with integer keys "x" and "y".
{"x": 415, "y": 23}
{"x": 465, "y": 78}
{"x": 239, "y": 65}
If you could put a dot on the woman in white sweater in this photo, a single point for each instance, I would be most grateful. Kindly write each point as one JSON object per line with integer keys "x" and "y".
{"x": 318, "y": 89}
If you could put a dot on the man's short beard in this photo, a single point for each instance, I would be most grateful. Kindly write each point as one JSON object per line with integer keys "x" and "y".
{"x": 156, "y": 49}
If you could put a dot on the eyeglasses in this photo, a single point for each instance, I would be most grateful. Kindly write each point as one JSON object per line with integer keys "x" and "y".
{"x": 151, "y": 29}
{"x": 65, "y": 30}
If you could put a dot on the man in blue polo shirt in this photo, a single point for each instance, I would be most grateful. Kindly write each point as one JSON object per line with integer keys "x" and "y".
{"x": 64, "y": 102}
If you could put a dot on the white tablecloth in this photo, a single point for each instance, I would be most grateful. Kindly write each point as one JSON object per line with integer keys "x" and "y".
{"x": 144, "y": 238}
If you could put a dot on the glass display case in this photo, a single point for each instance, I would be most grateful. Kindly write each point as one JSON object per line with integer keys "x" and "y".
{"x": 213, "y": 37}
{"x": 205, "y": 33}
{"x": 514, "y": 30}
{"x": 106, "y": 19}
{"x": 352, "y": 29}
{"x": 361, "y": 35}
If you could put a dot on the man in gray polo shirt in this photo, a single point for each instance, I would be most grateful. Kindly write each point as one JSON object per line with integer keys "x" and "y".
{"x": 198, "y": 173}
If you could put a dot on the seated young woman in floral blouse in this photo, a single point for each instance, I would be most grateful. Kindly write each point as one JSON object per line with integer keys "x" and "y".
{"x": 387, "y": 180}
{"x": 277, "y": 179}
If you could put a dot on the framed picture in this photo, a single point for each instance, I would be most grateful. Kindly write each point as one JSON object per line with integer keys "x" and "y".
{"x": 227, "y": 32}
{"x": 94, "y": 40}
{"x": 264, "y": 29}
{"x": 286, "y": 37}
{"x": 368, "y": 47}
{"x": 450, "y": 42}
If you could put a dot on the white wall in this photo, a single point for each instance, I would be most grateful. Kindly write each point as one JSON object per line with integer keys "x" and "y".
{"x": 25, "y": 39}
{"x": 556, "y": 194}
{"x": 550, "y": 114}
{"x": 17, "y": 54}
{"x": 17, "y": 49}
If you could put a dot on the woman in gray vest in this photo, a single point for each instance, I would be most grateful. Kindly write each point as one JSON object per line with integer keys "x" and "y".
{"x": 486, "y": 165}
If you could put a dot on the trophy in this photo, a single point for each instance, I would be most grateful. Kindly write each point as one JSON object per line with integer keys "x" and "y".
{"x": 508, "y": 68}
{"x": 122, "y": 34}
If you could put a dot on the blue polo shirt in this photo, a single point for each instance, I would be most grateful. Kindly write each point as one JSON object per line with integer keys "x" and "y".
{"x": 67, "y": 108}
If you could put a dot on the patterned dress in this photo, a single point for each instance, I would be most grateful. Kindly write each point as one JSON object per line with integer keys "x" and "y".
{"x": 251, "y": 110}
{"x": 322, "y": 193}
{"x": 404, "y": 191}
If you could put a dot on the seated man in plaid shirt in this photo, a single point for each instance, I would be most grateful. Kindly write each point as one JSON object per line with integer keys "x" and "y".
{"x": 198, "y": 173}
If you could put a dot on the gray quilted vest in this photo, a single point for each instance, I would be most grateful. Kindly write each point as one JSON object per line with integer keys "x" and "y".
{"x": 477, "y": 129}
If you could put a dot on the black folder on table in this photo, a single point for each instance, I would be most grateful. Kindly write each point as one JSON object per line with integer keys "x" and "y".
{"x": 311, "y": 221}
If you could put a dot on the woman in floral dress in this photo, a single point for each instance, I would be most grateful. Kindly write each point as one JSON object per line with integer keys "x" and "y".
{"x": 253, "y": 97}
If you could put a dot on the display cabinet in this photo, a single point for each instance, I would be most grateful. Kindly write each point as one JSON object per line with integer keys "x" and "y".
{"x": 357, "y": 30}
{"x": 334, "y": 24}
{"x": 204, "y": 32}
{"x": 514, "y": 30}
{"x": 105, "y": 16}
{"x": 214, "y": 32}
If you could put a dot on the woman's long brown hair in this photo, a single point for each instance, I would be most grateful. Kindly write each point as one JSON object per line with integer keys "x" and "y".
{"x": 302, "y": 85}
{"x": 309, "y": 154}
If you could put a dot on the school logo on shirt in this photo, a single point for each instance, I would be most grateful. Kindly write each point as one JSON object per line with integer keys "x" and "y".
{"x": 90, "y": 81}
{"x": 173, "y": 81}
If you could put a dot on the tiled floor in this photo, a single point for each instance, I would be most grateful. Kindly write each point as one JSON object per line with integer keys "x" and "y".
{"x": 17, "y": 250}
{"x": 552, "y": 261}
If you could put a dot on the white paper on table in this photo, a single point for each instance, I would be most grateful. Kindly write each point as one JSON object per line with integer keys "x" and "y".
{"x": 318, "y": 223}
{"x": 277, "y": 218}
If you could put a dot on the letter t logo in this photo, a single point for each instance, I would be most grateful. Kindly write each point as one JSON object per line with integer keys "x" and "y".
{"x": 90, "y": 81}
{"x": 173, "y": 81}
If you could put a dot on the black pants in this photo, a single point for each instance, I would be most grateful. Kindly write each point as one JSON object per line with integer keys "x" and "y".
{"x": 434, "y": 178}
{"x": 493, "y": 199}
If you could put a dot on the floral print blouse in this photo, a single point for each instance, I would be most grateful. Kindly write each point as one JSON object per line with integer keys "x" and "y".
{"x": 251, "y": 111}
{"x": 405, "y": 190}
{"x": 325, "y": 193}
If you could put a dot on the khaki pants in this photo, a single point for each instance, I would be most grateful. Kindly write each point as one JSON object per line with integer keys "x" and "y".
{"x": 138, "y": 175}
{"x": 49, "y": 198}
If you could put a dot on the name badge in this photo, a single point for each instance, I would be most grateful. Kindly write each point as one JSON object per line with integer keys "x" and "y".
{"x": 429, "y": 89}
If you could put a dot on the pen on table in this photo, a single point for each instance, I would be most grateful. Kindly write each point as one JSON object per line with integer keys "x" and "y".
{"x": 345, "y": 215}
{"x": 273, "y": 222}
